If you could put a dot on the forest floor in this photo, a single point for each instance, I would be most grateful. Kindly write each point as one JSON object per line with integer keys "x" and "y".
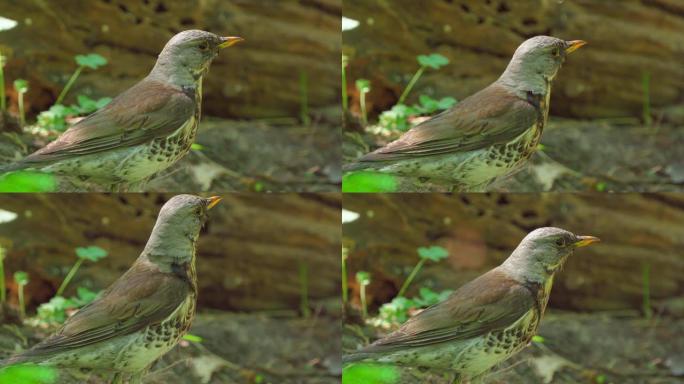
{"x": 589, "y": 348}
{"x": 236, "y": 349}
{"x": 585, "y": 155}
{"x": 240, "y": 156}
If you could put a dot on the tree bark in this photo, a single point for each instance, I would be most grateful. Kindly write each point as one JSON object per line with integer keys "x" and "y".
{"x": 627, "y": 40}
{"x": 638, "y": 231}
{"x": 249, "y": 253}
{"x": 257, "y": 78}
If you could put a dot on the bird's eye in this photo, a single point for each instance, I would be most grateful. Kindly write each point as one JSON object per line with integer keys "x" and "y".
{"x": 560, "y": 242}
{"x": 555, "y": 51}
{"x": 203, "y": 46}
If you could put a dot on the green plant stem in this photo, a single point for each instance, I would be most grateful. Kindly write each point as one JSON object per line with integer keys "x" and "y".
{"x": 22, "y": 308}
{"x": 345, "y": 295}
{"x": 646, "y": 84}
{"x": 304, "y": 289}
{"x": 2, "y": 84}
{"x": 646, "y": 290}
{"x": 2, "y": 274}
{"x": 364, "y": 117}
{"x": 410, "y": 277}
{"x": 22, "y": 118}
{"x": 410, "y": 85}
{"x": 68, "y": 277}
{"x": 345, "y": 103}
{"x": 364, "y": 308}
{"x": 68, "y": 85}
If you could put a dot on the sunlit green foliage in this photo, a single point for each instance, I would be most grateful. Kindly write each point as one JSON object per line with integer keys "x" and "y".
{"x": 370, "y": 374}
{"x": 398, "y": 310}
{"x": 27, "y": 181}
{"x": 360, "y": 182}
{"x": 28, "y": 374}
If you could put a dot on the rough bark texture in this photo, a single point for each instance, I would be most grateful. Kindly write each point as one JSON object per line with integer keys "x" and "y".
{"x": 258, "y": 78}
{"x": 249, "y": 253}
{"x": 626, "y": 39}
{"x": 481, "y": 230}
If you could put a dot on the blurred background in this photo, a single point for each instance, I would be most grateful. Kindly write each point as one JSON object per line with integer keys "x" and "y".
{"x": 268, "y": 275}
{"x": 270, "y": 105}
{"x": 617, "y": 104}
{"x": 615, "y": 310}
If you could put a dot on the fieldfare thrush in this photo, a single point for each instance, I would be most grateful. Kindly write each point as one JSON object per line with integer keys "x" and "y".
{"x": 144, "y": 313}
{"x": 485, "y": 321}
{"x": 485, "y": 136}
{"x": 145, "y": 129}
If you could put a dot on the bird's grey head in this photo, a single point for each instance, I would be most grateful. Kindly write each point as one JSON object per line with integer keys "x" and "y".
{"x": 542, "y": 252}
{"x": 187, "y": 56}
{"x": 177, "y": 228}
{"x": 536, "y": 62}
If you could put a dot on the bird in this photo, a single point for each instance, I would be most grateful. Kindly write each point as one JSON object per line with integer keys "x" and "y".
{"x": 487, "y": 135}
{"x": 144, "y": 313}
{"x": 485, "y": 321}
{"x": 142, "y": 131}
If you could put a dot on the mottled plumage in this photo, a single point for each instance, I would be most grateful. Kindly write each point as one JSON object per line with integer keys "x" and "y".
{"x": 485, "y": 136}
{"x": 485, "y": 321}
{"x": 145, "y": 129}
{"x": 144, "y": 313}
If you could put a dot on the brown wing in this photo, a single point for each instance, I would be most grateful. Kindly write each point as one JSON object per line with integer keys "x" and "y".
{"x": 474, "y": 309}
{"x": 139, "y": 298}
{"x": 493, "y": 115}
{"x": 148, "y": 110}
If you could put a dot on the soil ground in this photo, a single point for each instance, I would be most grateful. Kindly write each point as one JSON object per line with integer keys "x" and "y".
{"x": 580, "y": 348}
{"x": 583, "y": 155}
{"x": 237, "y": 348}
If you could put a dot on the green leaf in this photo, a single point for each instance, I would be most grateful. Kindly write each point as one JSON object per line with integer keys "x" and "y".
{"x": 21, "y": 85}
{"x": 28, "y": 374}
{"x": 396, "y": 311}
{"x": 91, "y": 60}
{"x": 601, "y": 186}
{"x": 601, "y": 379}
{"x": 196, "y": 147}
{"x": 538, "y": 339}
{"x": 258, "y": 186}
{"x": 102, "y": 102}
{"x": 54, "y": 310}
{"x": 55, "y": 117}
{"x": 192, "y": 338}
{"x": 363, "y": 85}
{"x": 84, "y": 296}
{"x": 360, "y": 182}
{"x": 21, "y": 277}
{"x": 397, "y": 117}
{"x": 434, "y": 61}
{"x": 28, "y": 182}
{"x": 446, "y": 103}
{"x": 367, "y": 373}
{"x": 363, "y": 277}
{"x": 92, "y": 253}
{"x": 434, "y": 253}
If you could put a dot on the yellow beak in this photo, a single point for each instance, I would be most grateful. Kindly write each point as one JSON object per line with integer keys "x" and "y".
{"x": 586, "y": 240}
{"x": 574, "y": 45}
{"x": 213, "y": 201}
{"x": 230, "y": 40}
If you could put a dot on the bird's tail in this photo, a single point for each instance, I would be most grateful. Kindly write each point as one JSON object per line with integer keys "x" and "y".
{"x": 12, "y": 167}
{"x": 356, "y": 166}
